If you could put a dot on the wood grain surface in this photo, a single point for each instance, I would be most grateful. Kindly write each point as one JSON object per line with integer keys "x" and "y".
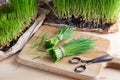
{"x": 63, "y": 67}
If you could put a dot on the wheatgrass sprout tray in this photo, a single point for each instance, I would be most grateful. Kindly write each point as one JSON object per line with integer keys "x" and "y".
{"x": 101, "y": 16}
{"x": 18, "y": 24}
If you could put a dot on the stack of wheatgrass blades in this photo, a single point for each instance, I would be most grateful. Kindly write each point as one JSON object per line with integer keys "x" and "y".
{"x": 74, "y": 46}
{"x": 99, "y": 12}
{"x": 15, "y": 16}
{"x": 58, "y": 51}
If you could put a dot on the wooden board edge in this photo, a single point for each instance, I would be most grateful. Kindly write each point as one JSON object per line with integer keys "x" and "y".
{"x": 55, "y": 70}
{"x": 115, "y": 63}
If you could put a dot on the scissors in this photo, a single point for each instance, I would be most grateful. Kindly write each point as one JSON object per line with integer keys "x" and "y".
{"x": 81, "y": 68}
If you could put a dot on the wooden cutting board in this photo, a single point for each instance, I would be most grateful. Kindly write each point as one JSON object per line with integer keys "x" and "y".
{"x": 62, "y": 67}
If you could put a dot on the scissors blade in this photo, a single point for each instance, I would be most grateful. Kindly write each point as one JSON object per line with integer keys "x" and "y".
{"x": 97, "y": 59}
{"x": 103, "y": 60}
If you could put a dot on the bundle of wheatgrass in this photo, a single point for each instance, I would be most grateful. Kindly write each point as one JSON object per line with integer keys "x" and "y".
{"x": 75, "y": 46}
{"x": 94, "y": 13}
{"x": 63, "y": 33}
{"x": 15, "y": 16}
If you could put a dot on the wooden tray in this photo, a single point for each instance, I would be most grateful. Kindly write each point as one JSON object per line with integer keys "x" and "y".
{"x": 63, "y": 67}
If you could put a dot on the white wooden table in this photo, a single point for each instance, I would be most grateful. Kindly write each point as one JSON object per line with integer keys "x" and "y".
{"x": 11, "y": 70}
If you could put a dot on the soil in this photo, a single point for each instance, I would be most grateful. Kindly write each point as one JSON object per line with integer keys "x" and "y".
{"x": 77, "y": 22}
{"x": 81, "y": 23}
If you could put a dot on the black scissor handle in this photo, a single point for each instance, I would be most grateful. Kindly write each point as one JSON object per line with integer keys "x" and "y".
{"x": 75, "y": 60}
{"x": 80, "y": 68}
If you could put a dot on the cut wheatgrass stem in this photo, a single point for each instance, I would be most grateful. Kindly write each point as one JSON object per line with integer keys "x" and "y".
{"x": 63, "y": 33}
{"x": 39, "y": 40}
{"x": 74, "y": 46}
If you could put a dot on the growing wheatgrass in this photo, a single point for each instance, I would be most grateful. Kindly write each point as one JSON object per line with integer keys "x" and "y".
{"x": 63, "y": 33}
{"x": 14, "y": 17}
{"x": 74, "y": 46}
{"x": 106, "y": 10}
